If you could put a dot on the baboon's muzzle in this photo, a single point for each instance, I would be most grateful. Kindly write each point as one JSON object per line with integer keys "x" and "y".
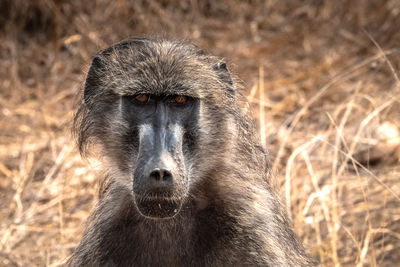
{"x": 159, "y": 178}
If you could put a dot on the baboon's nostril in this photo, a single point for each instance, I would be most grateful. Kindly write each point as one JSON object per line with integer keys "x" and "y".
{"x": 161, "y": 175}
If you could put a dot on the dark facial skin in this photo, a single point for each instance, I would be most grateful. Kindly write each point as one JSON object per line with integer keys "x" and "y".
{"x": 165, "y": 129}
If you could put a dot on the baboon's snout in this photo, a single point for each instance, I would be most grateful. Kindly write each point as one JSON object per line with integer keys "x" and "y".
{"x": 159, "y": 175}
{"x": 158, "y": 182}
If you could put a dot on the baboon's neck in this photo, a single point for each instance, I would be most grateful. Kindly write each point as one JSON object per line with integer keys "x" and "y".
{"x": 178, "y": 241}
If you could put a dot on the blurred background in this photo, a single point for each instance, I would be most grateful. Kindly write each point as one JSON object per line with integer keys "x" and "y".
{"x": 321, "y": 79}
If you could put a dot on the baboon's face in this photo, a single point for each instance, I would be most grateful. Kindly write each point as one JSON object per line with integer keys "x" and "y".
{"x": 163, "y": 125}
{"x": 159, "y": 110}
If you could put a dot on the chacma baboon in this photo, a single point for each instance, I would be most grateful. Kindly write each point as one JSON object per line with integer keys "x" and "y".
{"x": 186, "y": 179}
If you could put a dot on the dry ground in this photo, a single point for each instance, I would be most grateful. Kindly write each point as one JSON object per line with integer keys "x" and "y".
{"x": 323, "y": 85}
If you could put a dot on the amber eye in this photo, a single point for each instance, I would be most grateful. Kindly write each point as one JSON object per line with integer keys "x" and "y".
{"x": 180, "y": 99}
{"x": 142, "y": 98}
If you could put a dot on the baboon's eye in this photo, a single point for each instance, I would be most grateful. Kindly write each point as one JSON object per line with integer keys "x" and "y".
{"x": 143, "y": 98}
{"x": 180, "y": 99}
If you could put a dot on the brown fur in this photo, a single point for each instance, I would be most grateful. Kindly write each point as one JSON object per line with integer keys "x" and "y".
{"x": 230, "y": 215}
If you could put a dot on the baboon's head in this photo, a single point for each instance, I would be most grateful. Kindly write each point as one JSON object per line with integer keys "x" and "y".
{"x": 160, "y": 111}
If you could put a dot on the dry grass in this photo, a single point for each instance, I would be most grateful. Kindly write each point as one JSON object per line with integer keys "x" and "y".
{"x": 323, "y": 79}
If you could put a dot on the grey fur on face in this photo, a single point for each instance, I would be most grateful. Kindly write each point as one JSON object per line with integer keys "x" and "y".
{"x": 187, "y": 183}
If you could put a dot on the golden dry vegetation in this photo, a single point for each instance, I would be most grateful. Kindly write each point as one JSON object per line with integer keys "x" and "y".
{"x": 322, "y": 80}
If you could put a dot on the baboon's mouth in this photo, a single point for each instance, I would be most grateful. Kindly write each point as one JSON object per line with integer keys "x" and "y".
{"x": 158, "y": 208}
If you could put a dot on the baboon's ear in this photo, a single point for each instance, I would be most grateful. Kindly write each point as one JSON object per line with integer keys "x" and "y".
{"x": 93, "y": 79}
{"x": 222, "y": 70}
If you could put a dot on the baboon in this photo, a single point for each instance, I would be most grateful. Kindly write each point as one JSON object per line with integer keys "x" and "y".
{"x": 186, "y": 181}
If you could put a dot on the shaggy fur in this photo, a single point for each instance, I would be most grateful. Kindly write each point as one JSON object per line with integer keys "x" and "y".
{"x": 230, "y": 215}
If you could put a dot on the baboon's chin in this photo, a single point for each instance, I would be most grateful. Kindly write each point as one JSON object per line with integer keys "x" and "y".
{"x": 158, "y": 208}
